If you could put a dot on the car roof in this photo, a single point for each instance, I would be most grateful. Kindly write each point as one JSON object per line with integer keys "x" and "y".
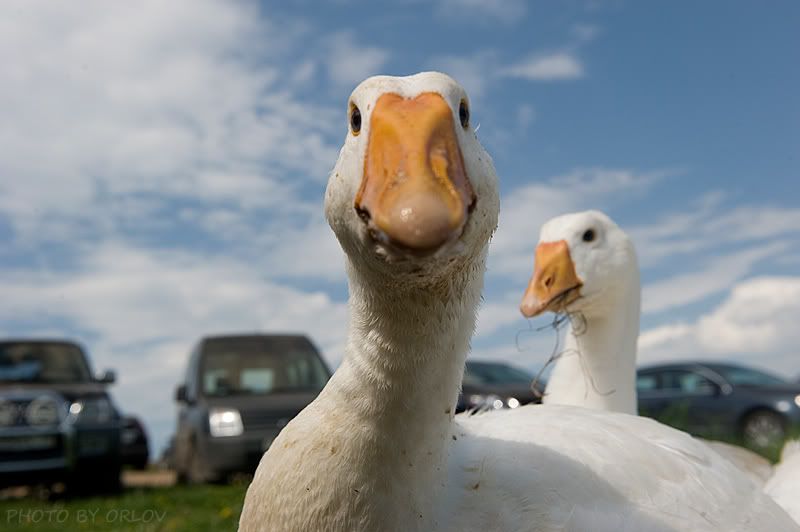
{"x": 41, "y": 341}
{"x": 487, "y": 363}
{"x": 255, "y": 336}
{"x": 687, "y": 364}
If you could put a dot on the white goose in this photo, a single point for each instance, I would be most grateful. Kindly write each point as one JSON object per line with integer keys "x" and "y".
{"x": 784, "y": 486}
{"x": 586, "y": 265}
{"x": 413, "y": 200}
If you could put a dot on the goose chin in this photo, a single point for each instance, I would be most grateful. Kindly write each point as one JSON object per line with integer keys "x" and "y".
{"x": 394, "y": 251}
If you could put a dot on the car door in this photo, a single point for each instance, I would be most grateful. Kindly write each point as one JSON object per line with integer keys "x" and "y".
{"x": 690, "y": 401}
{"x": 650, "y": 398}
{"x": 184, "y": 429}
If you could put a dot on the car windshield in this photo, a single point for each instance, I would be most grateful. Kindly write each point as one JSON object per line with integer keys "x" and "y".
{"x": 42, "y": 362}
{"x": 259, "y": 367}
{"x": 483, "y": 373}
{"x": 750, "y": 377}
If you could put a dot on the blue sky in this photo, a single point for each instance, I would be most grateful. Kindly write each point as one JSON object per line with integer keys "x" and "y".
{"x": 162, "y": 166}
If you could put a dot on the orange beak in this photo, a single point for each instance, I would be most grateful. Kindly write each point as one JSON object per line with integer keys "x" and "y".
{"x": 554, "y": 284}
{"x": 415, "y": 193}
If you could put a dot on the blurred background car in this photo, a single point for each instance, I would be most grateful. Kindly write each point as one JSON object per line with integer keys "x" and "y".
{"x": 496, "y": 385}
{"x": 721, "y": 401}
{"x": 57, "y": 420}
{"x": 239, "y": 392}
{"x": 135, "y": 448}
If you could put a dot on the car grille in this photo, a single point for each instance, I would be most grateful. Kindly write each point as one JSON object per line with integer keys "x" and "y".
{"x": 33, "y": 447}
{"x": 254, "y": 420}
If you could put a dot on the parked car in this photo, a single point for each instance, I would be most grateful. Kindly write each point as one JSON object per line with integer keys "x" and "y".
{"x": 495, "y": 385}
{"x": 722, "y": 401}
{"x": 134, "y": 444}
{"x": 57, "y": 420}
{"x": 239, "y": 392}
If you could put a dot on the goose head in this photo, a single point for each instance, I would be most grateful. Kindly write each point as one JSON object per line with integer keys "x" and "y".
{"x": 584, "y": 261}
{"x": 413, "y": 193}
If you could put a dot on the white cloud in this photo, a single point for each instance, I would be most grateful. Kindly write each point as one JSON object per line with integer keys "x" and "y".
{"x": 305, "y": 252}
{"x": 506, "y": 11}
{"x": 664, "y": 334}
{"x": 144, "y": 309}
{"x": 717, "y": 275}
{"x": 709, "y": 225}
{"x": 584, "y": 32}
{"x": 499, "y": 313}
{"x": 349, "y": 62}
{"x": 759, "y": 316}
{"x": 527, "y": 208}
{"x": 547, "y": 67}
{"x": 756, "y": 325}
{"x": 115, "y": 99}
{"x": 474, "y": 72}
{"x": 525, "y": 115}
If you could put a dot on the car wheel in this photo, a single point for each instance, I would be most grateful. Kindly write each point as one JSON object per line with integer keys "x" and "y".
{"x": 197, "y": 472}
{"x": 763, "y": 430}
{"x": 96, "y": 481}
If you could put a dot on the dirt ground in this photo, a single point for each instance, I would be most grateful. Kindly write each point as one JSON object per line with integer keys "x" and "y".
{"x": 150, "y": 478}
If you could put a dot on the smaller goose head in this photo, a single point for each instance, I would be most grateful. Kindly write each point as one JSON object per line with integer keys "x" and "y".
{"x": 413, "y": 190}
{"x": 583, "y": 261}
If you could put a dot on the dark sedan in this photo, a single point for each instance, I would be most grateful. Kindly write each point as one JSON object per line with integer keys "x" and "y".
{"x": 495, "y": 385}
{"x": 721, "y": 401}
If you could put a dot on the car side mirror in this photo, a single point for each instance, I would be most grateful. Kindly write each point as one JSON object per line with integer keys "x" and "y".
{"x": 718, "y": 390}
{"x": 180, "y": 394}
{"x": 108, "y": 376}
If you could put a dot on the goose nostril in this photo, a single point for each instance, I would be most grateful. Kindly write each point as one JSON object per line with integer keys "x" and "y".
{"x": 363, "y": 214}
{"x": 548, "y": 281}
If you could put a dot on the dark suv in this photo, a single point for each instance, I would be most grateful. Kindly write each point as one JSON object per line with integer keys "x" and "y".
{"x": 240, "y": 391}
{"x": 57, "y": 421}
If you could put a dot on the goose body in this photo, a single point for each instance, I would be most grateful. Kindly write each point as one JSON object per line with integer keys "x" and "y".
{"x": 784, "y": 485}
{"x": 587, "y": 266}
{"x": 413, "y": 201}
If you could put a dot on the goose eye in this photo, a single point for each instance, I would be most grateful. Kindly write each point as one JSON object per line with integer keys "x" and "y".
{"x": 588, "y": 235}
{"x": 355, "y": 120}
{"x": 463, "y": 113}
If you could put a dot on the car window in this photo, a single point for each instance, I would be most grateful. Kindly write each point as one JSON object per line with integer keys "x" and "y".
{"x": 482, "y": 373}
{"x": 646, "y": 383}
{"x": 255, "y": 369}
{"x": 43, "y": 362}
{"x": 749, "y": 377}
{"x": 685, "y": 381}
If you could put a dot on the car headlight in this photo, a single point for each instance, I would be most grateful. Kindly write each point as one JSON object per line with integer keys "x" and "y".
{"x": 42, "y": 411}
{"x": 225, "y": 422}
{"x": 480, "y": 401}
{"x": 512, "y": 402}
{"x": 92, "y": 410}
{"x": 8, "y": 413}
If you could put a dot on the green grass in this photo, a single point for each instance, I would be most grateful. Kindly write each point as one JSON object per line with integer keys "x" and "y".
{"x": 677, "y": 415}
{"x": 192, "y": 508}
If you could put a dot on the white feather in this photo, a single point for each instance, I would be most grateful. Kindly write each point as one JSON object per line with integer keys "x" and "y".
{"x": 380, "y": 449}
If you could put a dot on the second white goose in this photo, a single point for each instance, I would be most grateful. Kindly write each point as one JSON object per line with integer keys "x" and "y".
{"x": 586, "y": 266}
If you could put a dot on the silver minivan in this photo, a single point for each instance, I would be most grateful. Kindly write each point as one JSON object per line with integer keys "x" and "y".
{"x": 239, "y": 392}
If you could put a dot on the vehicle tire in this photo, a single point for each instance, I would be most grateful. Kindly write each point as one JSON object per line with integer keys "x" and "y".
{"x": 763, "y": 430}
{"x": 100, "y": 481}
{"x": 196, "y": 472}
{"x": 110, "y": 480}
